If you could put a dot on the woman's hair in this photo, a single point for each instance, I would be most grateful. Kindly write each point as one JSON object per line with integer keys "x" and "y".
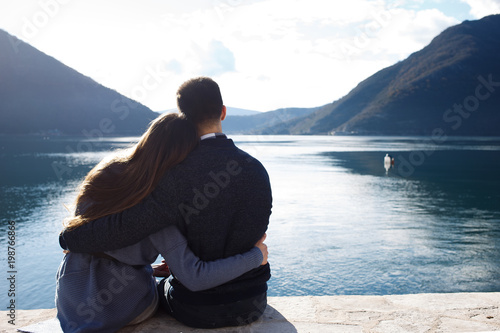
{"x": 124, "y": 181}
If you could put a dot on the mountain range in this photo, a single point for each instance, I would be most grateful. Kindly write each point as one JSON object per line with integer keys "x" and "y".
{"x": 452, "y": 85}
{"x": 259, "y": 123}
{"x": 230, "y": 111}
{"x": 40, "y": 95}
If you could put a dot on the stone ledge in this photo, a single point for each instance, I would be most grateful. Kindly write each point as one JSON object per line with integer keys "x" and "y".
{"x": 462, "y": 312}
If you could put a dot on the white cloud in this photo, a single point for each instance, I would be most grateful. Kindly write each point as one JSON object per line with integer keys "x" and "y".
{"x": 265, "y": 54}
{"x": 481, "y": 8}
{"x": 216, "y": 60}
{"x": 409, "y": 31}
{"x": 312, "y": 59}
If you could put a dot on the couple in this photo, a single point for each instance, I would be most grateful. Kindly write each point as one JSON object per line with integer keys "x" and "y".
{"x": 184, "y": 191}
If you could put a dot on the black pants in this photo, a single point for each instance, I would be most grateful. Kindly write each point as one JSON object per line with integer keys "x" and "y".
{"x": 237, "y": 313}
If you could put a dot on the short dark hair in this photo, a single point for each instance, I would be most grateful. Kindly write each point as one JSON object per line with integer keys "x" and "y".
{"x": 200, "y": 100}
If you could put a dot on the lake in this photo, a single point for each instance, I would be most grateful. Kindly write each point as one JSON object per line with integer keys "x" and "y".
{"x": 342, "y": 223}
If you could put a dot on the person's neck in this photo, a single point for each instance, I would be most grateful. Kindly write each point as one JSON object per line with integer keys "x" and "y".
{"x": 202, "y": 130}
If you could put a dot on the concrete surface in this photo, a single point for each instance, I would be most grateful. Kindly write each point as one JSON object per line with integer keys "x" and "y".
{"x": 462, "y": 312}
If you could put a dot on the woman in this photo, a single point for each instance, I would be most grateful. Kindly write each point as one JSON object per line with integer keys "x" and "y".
{"x": 102, "y": 292}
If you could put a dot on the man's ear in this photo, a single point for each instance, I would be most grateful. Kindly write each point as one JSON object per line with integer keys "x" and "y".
{"x": 223, "y": 113}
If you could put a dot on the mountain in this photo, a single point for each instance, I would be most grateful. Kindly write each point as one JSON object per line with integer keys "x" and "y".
{"x": 39, "y": 95}
{"x": 230, "y": 111}
{"x": 167, "y": 111}
{"x": 453, "y": 84}
{"x": 243, "y": 121}
{"x": 249, "y": 124}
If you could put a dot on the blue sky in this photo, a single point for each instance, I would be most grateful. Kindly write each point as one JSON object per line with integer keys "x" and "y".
{"x": 265, "y": 54}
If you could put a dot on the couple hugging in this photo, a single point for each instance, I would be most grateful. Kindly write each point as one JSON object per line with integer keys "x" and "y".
{"x": 185, "y": 192}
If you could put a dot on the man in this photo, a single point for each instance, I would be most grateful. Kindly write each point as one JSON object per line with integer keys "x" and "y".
{"x": 219, "y": 197}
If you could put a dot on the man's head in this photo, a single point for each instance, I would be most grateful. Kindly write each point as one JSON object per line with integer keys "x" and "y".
{"x": 201, "y": 101}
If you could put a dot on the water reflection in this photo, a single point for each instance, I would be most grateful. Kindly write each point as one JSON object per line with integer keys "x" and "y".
{"x": 441, "y": 220}
{"x": 388, "y": 163}
{"x": 342, "y": 223}
{"x": 38, "y": 199}
{"x": 434, "y": 230}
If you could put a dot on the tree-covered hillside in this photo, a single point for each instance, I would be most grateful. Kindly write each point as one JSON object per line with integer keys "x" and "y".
{"x": 452, "y": 84}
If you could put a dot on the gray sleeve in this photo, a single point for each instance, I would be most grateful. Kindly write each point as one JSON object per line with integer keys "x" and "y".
{"x": 194, "y": 273}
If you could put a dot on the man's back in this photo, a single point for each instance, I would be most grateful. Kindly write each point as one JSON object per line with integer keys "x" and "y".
{"x": 224, "y": 198}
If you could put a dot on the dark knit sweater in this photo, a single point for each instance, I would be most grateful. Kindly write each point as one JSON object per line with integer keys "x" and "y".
{"x": 220, "y": 199}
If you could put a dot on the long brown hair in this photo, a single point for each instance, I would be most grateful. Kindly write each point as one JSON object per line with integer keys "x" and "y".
{"x": 124, "y": 181}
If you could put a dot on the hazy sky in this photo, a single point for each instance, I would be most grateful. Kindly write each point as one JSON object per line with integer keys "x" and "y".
{"x": 265, "y": 54}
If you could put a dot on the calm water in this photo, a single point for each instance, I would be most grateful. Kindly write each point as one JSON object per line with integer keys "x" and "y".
{"x": 341, "y": 223}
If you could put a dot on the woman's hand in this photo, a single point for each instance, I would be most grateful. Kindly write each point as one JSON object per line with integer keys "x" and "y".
{"x": 161, "y": 270}
{"x": 263, "y": 248}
